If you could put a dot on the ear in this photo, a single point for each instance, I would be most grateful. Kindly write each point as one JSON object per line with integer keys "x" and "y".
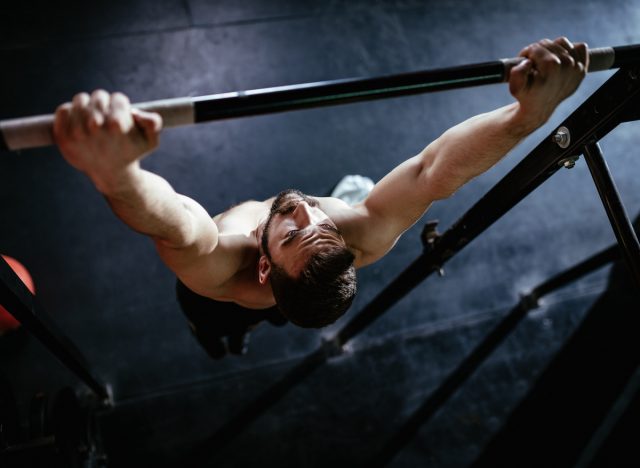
{"x": 264, "y": 269}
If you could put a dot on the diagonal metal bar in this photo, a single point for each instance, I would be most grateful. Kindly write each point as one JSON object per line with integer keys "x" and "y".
{"x": 483, "y": 350}
{"x": 595, "y": 118}
{"x": 20, "y": 303}
{"x": 620, "y": 222}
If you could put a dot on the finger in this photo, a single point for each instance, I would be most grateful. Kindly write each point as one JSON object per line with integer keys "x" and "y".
{"x": 581, "y": 51}
{"x": 520, "y": 76}
{"x": 565, "y": 50}
{"x": 100, "y": 100}
{"x": 99, "y": 105}
{"x": 526, "y": 52}
{"x": 150, "y": 123}
{"x": 557, "y": 49}
{"x": 544, "y": 60}
{"x": 79, "y": 115}
{"x": 61, "y": 121}
{"x": 154, "y": 119}
{"x": 80, "y": 100}
{"x": 119, "y": 116}
{"x": 564, "y": 43}
{"x": 563, "y": 53}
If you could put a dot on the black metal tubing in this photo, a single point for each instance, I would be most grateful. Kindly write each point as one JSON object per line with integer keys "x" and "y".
{"x": 625, "y": 55}
{"x": 20, "y": 303}
{"x": 596, "y": 117}
{"x": 602, "y": 112}
{"x": 327, "y": 93}
{"x": 489, "y": 343}
{"x": 620, "y": 222}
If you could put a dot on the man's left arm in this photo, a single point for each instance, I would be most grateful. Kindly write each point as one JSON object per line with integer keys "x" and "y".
{"x": 550, "y": 72}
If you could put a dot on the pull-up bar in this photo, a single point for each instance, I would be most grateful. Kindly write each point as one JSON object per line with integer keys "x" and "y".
{"x": 32, "y": 132}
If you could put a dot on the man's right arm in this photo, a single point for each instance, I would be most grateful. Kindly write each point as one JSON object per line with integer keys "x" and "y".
{"x": 550, "y": 72}
{"x": 102, "y": 136}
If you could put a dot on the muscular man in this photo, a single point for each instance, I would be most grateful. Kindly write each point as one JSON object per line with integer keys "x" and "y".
{"x": 294, "y": 251}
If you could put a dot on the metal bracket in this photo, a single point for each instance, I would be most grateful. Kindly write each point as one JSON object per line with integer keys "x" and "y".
{"x": 562, "y": 138}
{"x": 430, "y": 234}
{"x": 430, "y": 237}
{"x": 569, "y": 162}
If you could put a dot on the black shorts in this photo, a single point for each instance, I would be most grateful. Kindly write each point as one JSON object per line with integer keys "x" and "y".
{"x": 216, "y": 324}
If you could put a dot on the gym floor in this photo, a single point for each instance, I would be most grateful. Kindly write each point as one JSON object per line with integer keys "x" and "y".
{"x": 106, "y": 289}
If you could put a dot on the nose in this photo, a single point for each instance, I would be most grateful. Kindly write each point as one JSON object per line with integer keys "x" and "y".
{"x": 303, "y": 214}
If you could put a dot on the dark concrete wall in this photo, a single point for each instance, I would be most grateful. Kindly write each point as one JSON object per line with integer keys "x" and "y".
{"x": 106, "y": 288}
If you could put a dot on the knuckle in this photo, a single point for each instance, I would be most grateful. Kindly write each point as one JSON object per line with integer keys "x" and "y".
{"x": 99, "y": 94}
{"x": 120, "y": 98}
{"x": 80, "y": 98}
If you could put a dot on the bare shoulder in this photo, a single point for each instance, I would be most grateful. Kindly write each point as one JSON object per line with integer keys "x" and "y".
{"x": 365, "y": 233}
{"x": 346, "y": 217}
{"x": 353, "y": 223}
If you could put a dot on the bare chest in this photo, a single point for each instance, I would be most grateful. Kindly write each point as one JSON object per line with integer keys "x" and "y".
{"x": 238, "y": 236}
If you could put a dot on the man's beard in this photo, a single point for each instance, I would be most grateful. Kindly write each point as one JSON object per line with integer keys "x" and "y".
{"x": 285, "y": 202}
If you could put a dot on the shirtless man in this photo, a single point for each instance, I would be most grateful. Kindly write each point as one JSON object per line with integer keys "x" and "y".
{"x": 295, "y": 251}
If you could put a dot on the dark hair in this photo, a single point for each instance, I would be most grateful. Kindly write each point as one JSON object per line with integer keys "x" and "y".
{"x": 321, "y": 293}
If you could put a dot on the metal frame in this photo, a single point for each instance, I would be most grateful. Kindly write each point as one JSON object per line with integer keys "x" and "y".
{"x": 20, "y": 303}
{"x": 616, "y": 101}
{"x": 596, "y": 117}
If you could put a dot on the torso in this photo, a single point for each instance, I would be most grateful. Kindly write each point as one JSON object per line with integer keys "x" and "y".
{"x": 238, "y": 229}
{"x": 238, "y": 233}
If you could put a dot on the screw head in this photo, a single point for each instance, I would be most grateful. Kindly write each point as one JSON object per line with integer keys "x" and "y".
{"x": 562, "y": 137}
{"x": 569, "y": 164}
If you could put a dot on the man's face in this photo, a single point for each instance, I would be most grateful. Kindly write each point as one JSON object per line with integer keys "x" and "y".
{"x": 295, "y": 230}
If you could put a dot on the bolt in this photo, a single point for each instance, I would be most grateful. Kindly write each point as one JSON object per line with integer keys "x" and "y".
{"x": 562, "y": 138}
{"x": 569, "y": 164}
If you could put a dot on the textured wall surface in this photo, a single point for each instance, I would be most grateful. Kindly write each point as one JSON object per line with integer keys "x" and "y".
{"x": 108, "y": 291}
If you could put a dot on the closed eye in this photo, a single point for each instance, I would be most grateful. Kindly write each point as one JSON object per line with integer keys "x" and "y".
{"x": 290, "y": 235}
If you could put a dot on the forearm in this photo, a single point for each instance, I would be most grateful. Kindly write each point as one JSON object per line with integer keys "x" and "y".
{"x": 148, "y": 204}
{"x": 472, "y": 147}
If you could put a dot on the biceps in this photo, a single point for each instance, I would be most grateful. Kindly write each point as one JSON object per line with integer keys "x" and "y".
{"x": 400, "y": 198}
{"x": 200, "y": 242}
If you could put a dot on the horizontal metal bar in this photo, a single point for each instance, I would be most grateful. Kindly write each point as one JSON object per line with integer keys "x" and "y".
{"x": 596, "y": 117}
{"x": 31, "y": 132}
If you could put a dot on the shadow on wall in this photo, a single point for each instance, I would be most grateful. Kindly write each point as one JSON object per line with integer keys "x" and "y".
{"x": 577, "y": 392}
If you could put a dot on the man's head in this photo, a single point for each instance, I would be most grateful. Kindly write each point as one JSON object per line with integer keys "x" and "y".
{"x": 307, "y": 262}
